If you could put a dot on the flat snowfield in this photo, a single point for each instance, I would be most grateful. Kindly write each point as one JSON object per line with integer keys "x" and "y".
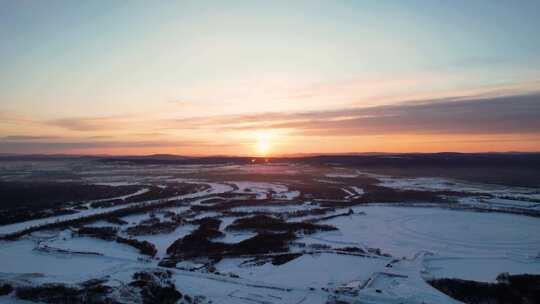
{"x": 269, "y": 234}
{"x": 403, "y": 231}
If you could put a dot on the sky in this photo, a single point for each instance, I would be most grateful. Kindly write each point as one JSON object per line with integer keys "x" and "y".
{"x": 269, "y": 77}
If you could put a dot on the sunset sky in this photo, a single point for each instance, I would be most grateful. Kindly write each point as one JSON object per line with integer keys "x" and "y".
{"x": 269, "y": 77}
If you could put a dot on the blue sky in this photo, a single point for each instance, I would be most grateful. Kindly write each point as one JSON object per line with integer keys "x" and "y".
{"x": 152, "y": 62}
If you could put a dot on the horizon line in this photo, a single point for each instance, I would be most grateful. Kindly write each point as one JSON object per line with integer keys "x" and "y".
{"x": 288, "y": 155}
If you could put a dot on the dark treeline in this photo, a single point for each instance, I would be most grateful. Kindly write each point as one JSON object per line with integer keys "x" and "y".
{"x": 509, "y": 289}
{"x": 23, "y": 201}
{"x": 139, "y": 208}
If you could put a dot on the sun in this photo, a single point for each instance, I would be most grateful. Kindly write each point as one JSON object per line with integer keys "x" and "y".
{"x": 262, "y": 146}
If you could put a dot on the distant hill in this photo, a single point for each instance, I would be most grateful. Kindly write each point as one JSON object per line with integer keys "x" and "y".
{"x": 512, "y": 168}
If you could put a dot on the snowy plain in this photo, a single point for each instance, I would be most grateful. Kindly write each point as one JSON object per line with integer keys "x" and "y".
{"x": 421, "y": 240}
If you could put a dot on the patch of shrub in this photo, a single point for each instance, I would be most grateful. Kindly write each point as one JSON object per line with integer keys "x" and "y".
{"x": 268, "y": 223}
{"x": 155, "y": 228}
{"x": 275, "y": 259}
{"x": 509, "y": 289}
{"x": 89, "y": 292}
{"x": 208, "y": 228}
{"x": 198, "y": 243}
{"x": 213, "y": 200}
{"x": 115, "y": 220}
{"x": 199, "y": 239}
{"x": 351, "y": 249}
{"x": 324, "y": 218}
{"x": 23, "y": 201}
{"x": 317, "y": 246}
{"x": 314, "y": 211}
{"x": 153, "y": 219}
{"x": 208, "y": 222}
{"x": 194, "y": 245}
{"x": 320, "y": 190}
{"x": 109, "y": 234}
{"x": 284, "y": 258}
{"x": 264, "y": 243}
{"x": 388, "y": 195}
{"x": 105, "y": 233}
{"x": 160, "y": 193}
{"x": 156, "y": 287}
{"x": 50, "y": 293}
{"x": 107, "y": 203}
{"x": 156, "y": 294}
{"x": 225, "y": 205}
{"x": 137, "y": 209}
{"x": 5, "y": 289}
{"x": 144, "y": 247}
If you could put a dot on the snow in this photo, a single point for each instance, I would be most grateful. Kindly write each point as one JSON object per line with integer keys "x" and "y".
{"x": 102, "y": 224}
{"x": 403, "y": 231}
{"x": 358, "y": 190}
{"x": 317, "y": 216}
{"x": 20, "y": 258}
{"x": 116, "y": 184}
{"x": 123, "y": 197}
{"x": 341, "y": 175}
{"x": 263, "y": 190}
{"x": 235, "y": 237}
{"x": 423, "y": 183}
{"x": 349, "y": 193}
{"x": 465, "y": 244}
{"x": 178, "y": 209}
{"x": 274, "y": 208}
{"x": 206, "y": 214}
{"x": 88, "y": 244}
{"x": 215, "y": 188}
{"x": 436, "y": 242}
{"x": 12, "y": 299}
{"x": 352, "y": 191}
{"x": 321, "y": 180}
{"x": 288, "y": 195}
{"x": 163, "y": 241}
{"x": 496, "y": 203}
{"x": 482, "y": 195}
{"x": 320, "y": 270}
{"x": 224, "y": 290}
{"x": 226, "y": 221}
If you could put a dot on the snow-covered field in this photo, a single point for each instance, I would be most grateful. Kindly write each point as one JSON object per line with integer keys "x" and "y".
{"x": 318, "y": 270}
{"x": 402, "y": 231}
{"x": 20, "y": 260}
{"x": 490, "y": 196}
{"x": 381, "y": 253}
{"x": 265, "y": 190}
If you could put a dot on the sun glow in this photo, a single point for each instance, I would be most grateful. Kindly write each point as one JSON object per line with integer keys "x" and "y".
{"x": 262, "y": 146}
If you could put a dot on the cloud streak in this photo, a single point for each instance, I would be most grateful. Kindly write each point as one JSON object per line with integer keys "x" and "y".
{"x": 86, "y": 124}
{"x": 516, "y": 114}
{"x": 25, "y": 145}
{"x": 26, "y": 138}
{"x": 460, "y": 119}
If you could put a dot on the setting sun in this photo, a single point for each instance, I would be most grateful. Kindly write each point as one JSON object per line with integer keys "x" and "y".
{"x": 263, "y": 145}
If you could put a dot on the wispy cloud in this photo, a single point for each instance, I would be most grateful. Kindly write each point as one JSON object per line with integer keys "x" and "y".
{"x": 26, "y": 138}
{"x": 463, "y": 118}
{"x": 512, "y": 114}
{"x": 26, "y": 145}
{"x": 87, "y": 124}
